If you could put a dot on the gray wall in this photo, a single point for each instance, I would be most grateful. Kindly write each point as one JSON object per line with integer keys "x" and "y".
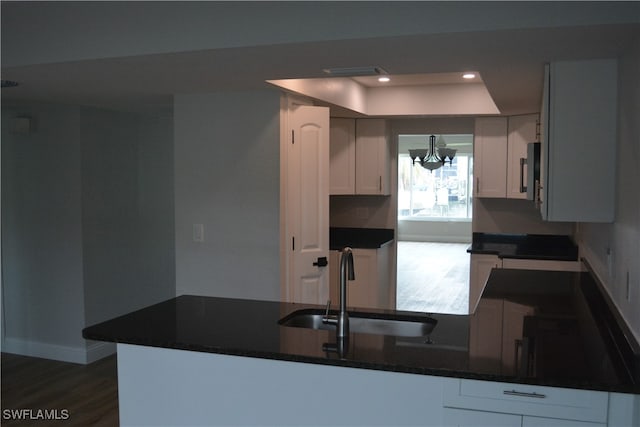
{"x": 87, "y": 224}
{"x": 227, "y": 178}
{"x": 127, "y": 212}
{"x": 622, "y": 238}
{"x": 42, "y": 232}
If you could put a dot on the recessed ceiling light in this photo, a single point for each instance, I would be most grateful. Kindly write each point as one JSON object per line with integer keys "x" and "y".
{"x": 469, "y": 76}
{"x": 384, "y": 79}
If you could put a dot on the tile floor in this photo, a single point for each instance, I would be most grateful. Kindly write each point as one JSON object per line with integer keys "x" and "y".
{"x": 433, "y": 277}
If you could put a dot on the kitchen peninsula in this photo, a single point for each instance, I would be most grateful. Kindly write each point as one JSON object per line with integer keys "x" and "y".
{"x": 203, "y": 360}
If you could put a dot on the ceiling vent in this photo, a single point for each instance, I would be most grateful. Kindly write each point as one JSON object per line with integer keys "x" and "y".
{"x": 355, "y": 71}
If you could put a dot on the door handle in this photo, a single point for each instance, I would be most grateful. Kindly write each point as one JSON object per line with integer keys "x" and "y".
{"x": 321, "y": 262}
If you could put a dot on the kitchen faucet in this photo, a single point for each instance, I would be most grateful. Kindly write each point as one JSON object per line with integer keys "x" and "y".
{"x": 346, "y": 272}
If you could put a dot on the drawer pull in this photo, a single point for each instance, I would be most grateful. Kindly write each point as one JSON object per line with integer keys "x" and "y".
{"x": 523, "y": 394}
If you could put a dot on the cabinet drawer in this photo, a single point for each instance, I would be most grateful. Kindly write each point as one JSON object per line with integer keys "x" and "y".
{"x": 552, "y": 402}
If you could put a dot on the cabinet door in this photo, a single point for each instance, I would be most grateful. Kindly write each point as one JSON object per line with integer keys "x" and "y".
{"x": 466, "y": 418}
{"x": 342, "y": 154}
{"x": 481, "y": 266}
{"x": 490, "y": 157}
{"x": 522, "y": 130}
{"x": 363, "y": 291}
{"x": 554, "y": 422}
{"x": 372, "y": 157}
{"x": 580, "y": 154}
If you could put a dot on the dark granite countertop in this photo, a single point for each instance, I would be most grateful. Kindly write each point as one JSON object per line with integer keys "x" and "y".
{"x": 525, "y": 246}
{"x": 361, "y": 238}
{"x": 250, "y": 328}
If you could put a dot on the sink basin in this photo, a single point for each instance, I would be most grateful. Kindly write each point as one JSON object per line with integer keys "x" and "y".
{"x": 400, "y": 325}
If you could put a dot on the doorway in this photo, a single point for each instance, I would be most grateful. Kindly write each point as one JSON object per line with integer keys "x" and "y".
{"x": 434, "y": 227}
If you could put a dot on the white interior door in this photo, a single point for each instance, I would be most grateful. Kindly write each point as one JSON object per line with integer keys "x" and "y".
{"x": 308, "y": 204}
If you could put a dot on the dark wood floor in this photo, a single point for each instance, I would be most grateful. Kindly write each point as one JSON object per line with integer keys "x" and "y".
{"x": 88, "y": 393}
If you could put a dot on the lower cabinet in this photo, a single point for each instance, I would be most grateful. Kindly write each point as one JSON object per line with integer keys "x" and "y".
{"x": 371, "y": 287}
{"x": 483, "y": 403}
{"x": 465, "y": 418}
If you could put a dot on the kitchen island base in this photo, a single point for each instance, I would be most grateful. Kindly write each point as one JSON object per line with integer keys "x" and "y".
{"x": 159, "y": 386}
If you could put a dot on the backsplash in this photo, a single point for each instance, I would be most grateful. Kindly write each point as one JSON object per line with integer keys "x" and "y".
{"x": 362, "y": 212}
{"x": 514, "y": 217}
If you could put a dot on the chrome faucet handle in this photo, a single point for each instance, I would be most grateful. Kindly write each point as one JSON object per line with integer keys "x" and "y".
{"x": 326, "y": 319}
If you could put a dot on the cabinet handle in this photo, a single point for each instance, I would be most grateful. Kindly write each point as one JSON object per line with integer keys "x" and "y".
{"x": 523, "y": 188}
{"x": 380, "y": 183}
{"x": 538, "y": 202}
{"x": 524, "y": 394}
{"x": 477, "y": 185}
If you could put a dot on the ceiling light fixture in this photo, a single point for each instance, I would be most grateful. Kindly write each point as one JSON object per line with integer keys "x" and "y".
{"x": 384, "y": 79}
{"x": 469, "y": 76}
{"x": 435, "y": 156}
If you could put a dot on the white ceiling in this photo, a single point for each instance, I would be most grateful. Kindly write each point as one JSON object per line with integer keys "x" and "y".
{"x": 510, "y": 62}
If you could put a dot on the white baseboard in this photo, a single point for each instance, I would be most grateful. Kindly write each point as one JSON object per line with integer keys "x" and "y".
{"x": 97, "y": 350}
{"x": 81, "y": 355}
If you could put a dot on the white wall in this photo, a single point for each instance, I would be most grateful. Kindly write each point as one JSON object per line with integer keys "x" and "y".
{"x": 622, "y": 237}
{"x": 227, "y": 172}
{"x": 127, "y": 212}
{"x": 87, "y": 225}
{"x": 42, "y": 234}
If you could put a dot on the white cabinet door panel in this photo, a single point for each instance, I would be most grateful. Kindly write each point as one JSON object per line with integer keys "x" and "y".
{"x": 465, "y": 418}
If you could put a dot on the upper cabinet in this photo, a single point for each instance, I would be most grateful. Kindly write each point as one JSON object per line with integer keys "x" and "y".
{"x": 490, "y": 157}
{"x": 500, "y": 155}
{"x": 360, "y": 158}
{"x": 578, "y": 135}
{"x": 342, "y": 153}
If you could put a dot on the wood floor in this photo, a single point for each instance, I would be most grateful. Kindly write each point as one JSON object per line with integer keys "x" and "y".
{"x": 433, "y": 277}
{"x": 87, "y": 393}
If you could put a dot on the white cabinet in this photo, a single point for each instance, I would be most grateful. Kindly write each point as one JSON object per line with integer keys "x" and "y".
{"x": 537, "y": 405}
{"x": 465, "y": 418}
{"x": 522, "y": 131}
{"x": 360, "y": 157}
{"x": 500, "y": 153}
{"x": 481, "y": 266}
{"x": 372, "y": 157}
{"x": 537, "y": 264}
{"x": 370, "y": 289}
{"x": 342, "y": 153}
{"x": 578, "y": 135}
{"x": 490, "y": 157}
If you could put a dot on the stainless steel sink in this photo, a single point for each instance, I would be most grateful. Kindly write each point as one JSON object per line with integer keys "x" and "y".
{"x": 400, "y": 325}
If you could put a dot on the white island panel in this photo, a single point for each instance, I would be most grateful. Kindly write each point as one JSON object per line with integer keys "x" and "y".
{"x": 159, "y": 386}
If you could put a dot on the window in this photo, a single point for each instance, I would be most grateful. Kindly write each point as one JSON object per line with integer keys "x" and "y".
{"x": 444, "y": 193}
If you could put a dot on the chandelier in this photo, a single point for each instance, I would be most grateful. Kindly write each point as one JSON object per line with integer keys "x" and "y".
{"x": 435, "y": 156}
